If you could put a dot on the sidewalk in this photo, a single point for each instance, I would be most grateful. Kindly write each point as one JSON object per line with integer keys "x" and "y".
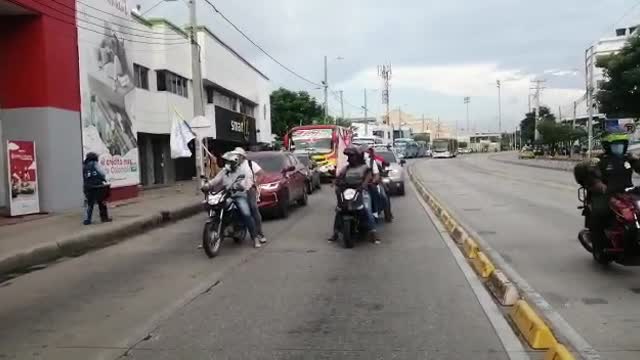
{"x": 554, "y": 164}
{"x": 44, "y": 239}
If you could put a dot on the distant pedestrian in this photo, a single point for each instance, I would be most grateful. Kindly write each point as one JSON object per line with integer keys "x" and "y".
{"x": 96, "y": 188}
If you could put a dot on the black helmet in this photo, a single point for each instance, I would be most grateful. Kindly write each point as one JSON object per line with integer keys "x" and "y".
{"x": 352, "y": 151}
{"x": 91, "y": 156}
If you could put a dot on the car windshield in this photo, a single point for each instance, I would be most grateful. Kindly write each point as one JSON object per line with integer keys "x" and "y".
{"x": 312, "y": 145}
{"x": 270, "y": 163}
{"x": 305, "y": 160}
{"x": 388, "y": 156}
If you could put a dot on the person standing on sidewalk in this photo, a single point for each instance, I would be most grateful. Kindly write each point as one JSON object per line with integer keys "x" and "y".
{"x": 95, "y": 188}
{"x": 251, "y": 167}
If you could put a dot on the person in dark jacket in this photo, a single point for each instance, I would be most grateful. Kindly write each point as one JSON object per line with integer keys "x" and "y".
{"x": 607, "y": 175}
{"x": 95, "y": 188}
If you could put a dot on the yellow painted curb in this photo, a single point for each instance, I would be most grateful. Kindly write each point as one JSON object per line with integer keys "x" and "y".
{"x": 558, "y": 352}
{"x": 531, "y": 326}
{"x": 470, "y": 248}
{"x": 502, "y": 288}
{"x": 482, "y": 265}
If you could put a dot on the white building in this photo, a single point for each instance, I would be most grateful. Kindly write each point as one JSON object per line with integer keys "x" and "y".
{"x": 236, "y": 97}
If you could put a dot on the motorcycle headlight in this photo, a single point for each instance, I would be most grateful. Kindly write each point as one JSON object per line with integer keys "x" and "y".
{"x": 349, "y": 194}
{"x": 270, "y": 186}
{"x": 214, "y": 199}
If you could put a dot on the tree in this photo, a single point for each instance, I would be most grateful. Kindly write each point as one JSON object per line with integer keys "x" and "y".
{"x": 527, "y": 125}
{"x": 619, "y": 94}
{"x": 289, "y": 109}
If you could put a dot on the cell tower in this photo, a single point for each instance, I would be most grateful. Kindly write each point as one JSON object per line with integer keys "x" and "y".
{"x": 384, "y": 71}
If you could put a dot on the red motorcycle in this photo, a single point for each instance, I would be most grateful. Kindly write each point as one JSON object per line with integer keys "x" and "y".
{"x": 622, "y": 231}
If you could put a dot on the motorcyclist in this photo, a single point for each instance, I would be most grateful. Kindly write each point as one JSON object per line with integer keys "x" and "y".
{"x": 379, "y": 199}
{"x": 608, "y": 174}
{"x": 252, "y": 168}
{"x": 355, "y": 170}
{"x": 229, "y": 178}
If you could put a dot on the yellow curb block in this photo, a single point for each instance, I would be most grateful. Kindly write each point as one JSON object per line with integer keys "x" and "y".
{"x": 482, "y": 265}
{"x": 531, "y": 326}
{"x": 459, "y": 235}
{"x": 470, "y": 248}
{"x": 558, "y": 352}
{"x": 502, "y": 288}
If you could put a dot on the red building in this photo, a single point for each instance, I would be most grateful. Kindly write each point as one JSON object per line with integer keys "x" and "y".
{"x": 40, "y": 96}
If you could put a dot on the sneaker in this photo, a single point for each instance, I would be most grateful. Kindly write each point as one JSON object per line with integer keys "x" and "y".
{"x": 107, "y": 220}
{"x": 256, "y": 243}
{"x": 262, "y": 239}
{"x": 87, "y": 222}
{"x": 373, "y": 237}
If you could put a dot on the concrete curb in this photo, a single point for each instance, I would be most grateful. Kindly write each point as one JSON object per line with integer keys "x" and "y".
{"x": 568, "y": 168}
{"x": 561, "y": 331}
{"x": 77, "y": 244}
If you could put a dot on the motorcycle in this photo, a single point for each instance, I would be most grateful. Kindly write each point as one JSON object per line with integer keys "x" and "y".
{"x": 351, "y": 205}
{"x": 622, "y": 232}
{"x": 223, "y": 220}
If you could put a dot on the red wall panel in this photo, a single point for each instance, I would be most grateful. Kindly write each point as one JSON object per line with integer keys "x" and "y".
{"x": 39, "y": 66}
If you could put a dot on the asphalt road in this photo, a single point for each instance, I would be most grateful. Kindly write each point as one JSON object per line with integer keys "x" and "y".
{"x": 158, "y": 297}
{"x": 529, "y": 215}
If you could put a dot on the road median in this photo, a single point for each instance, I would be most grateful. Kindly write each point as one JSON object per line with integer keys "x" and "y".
{"x": 515, "y": 295}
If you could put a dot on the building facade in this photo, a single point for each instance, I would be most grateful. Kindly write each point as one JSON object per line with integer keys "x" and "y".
{"x": 80, "y": 76}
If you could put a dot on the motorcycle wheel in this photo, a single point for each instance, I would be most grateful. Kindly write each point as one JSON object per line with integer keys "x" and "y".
{"x": 584, "y": 237}
{"x": 211, "y": 239}
{"x": 600, "y": 256}
{"x": 346, "y": 234}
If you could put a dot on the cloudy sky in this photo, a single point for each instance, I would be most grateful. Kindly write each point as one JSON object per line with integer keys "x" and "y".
{"x": 440, "y": 51}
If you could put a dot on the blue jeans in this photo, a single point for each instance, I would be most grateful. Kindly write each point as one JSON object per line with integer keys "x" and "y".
{"x": 242, "y": 203}
{"x": 252, "y": 196}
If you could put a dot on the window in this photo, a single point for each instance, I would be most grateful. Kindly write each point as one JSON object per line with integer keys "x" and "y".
{"x": 621, "y": 32}
{"x": 246, "y": 108}
{"x": 141, "y": 76}
{"x": 209, "y": 91}
{"x": 168, "y": 81}
{"x": 225, "y": 101}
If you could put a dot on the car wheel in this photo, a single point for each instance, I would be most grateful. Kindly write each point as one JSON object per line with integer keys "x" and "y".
{"x": 304, "y": 200}
{"x": 283, "y": 205}
{"x": 309, "y": 187}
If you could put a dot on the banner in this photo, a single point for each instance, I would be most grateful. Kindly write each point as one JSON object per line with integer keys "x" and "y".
{"x": 23, "y": 177}
{"x": 106, "y": 88}
{"x": 180, "y": 137}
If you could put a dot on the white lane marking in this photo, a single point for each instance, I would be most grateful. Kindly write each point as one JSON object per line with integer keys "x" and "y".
{"x": 509, "y": 340}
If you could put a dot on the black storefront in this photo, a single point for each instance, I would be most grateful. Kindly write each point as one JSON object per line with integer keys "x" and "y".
{"x": 233, "y": 129}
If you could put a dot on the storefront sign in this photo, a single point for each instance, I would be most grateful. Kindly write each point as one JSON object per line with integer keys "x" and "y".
{"x": 23, "y": 177}
{"x": 106, "y": 89}
{"x": 236, "y": 127}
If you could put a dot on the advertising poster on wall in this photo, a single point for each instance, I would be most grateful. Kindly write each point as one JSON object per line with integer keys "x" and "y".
{"x": 23, "y": 177}
{"x": 106, "y": 87}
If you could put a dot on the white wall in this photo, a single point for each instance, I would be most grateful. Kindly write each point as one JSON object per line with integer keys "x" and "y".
{"x": 219, "y": 65}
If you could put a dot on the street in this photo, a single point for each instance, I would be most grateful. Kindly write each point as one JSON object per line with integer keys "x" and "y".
{"x": 157, "y": 296}
{"x": 529, "y": 216}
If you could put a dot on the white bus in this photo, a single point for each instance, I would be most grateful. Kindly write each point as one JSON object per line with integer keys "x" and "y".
{"x": 444, "y": 148}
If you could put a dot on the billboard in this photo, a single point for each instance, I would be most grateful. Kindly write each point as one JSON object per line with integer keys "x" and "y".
{"x": 23, "y": 176}
{"x": 106, "y": 88}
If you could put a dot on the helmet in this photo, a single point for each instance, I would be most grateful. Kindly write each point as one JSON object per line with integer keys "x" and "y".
{"x": 91, "y": 156}
{"x": 231, "y": 160}
{"x": 239, "y": 151}
{"x": 354, "y": 155}
{"x": 351, "y": 151}
{"x": 614, "y": 134}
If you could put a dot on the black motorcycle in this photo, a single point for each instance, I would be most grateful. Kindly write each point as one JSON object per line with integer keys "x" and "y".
{"x": 351, "y": 205}
{"x": 223, "y": 221}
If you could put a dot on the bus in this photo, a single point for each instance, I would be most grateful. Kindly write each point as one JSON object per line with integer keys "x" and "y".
{"x": 324, "y": 144}
{"x": 444, "y": 148}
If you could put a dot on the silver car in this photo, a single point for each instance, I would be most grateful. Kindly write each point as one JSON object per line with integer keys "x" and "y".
{"x": 394, "y": 173}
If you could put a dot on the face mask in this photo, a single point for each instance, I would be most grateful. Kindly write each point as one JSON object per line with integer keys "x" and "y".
{"x": 227, "y": 167}
{"x": 617, "y": 149}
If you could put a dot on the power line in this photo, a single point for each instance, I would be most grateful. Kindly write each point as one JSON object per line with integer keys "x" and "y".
{"x": 258, "y": 46}
{"x": 153, "y": 7}
{"x": 110, "y": 22}
{"x": 104, "y": 28}
{"x": 337, "y": 97}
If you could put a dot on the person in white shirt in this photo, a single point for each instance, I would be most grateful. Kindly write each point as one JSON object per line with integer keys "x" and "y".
{"x": 228, "y": 178}
{"x": 252, "y": 168}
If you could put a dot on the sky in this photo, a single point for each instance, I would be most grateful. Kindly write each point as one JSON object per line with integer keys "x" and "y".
{"x": 440, "y": 51}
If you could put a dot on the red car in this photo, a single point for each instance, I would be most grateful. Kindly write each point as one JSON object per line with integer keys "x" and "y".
{"x": 283, "y": 182}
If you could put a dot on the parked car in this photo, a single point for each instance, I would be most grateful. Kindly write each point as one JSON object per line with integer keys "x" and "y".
{"x": 283, "y": 183}
{"x": 311, "y": 172}
{"x": 395, "y": 174}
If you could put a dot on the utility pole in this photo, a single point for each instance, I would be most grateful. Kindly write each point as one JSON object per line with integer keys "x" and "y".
{"x": 499, "y": 106}
{"x": 384, "y": 71}
{"x": 538, "y": 88}
{"x": 341, "y": 106}
{"x": 423, "y": 129}
{"x": 467, "y": 101}
{"x": 575, "y": 113}
{"x": 196, "y": 69}
{"x": 366, "y": 120}
{"x": 588, "y": 63}
{"x": 325, "y": 83}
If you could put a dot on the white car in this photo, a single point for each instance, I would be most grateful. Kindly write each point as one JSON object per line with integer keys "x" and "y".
{"x": 395, "y": 172}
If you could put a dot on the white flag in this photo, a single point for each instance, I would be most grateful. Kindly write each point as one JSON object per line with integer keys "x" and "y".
{"x": 181, "y": 134}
